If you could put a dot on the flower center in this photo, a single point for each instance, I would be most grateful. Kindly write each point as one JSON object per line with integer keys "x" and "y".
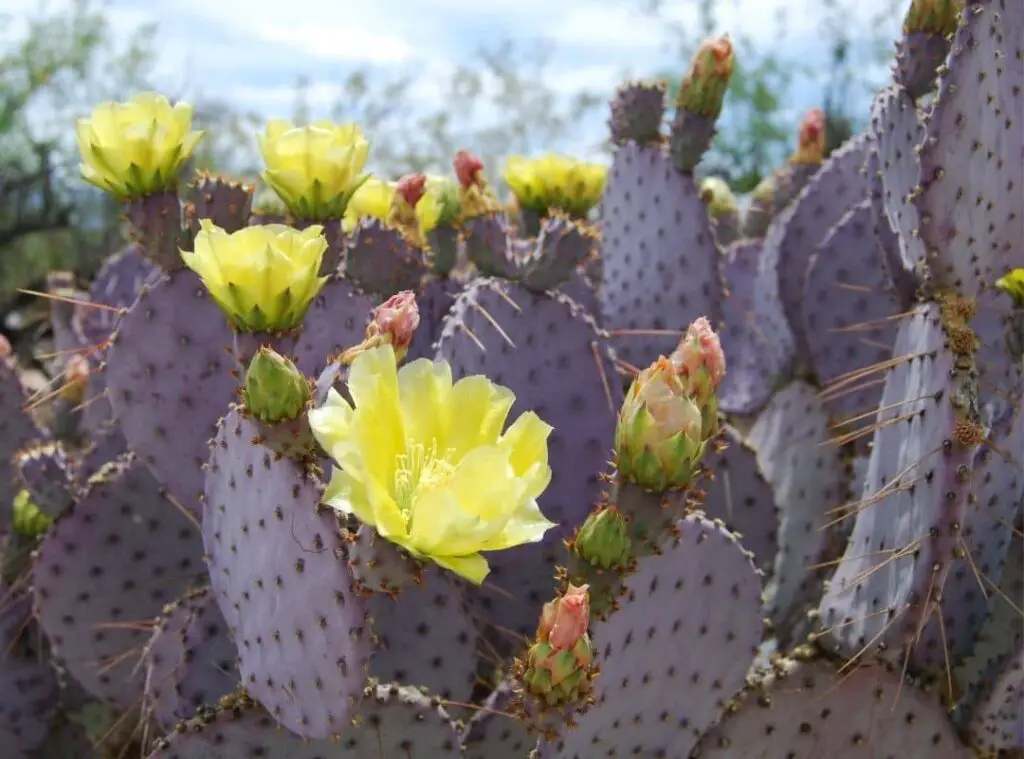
{"x": 420, "y": 469}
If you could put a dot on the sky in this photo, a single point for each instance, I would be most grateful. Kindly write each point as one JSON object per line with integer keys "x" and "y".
{"x": 252, "y": 52}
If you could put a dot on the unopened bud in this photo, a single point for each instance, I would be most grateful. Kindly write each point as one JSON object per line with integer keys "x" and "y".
{"x": 411, "y": 188}
{"x": 703, "y": 89}
{"x": 658, "y": 438}
{"x": 394, "y": 323}
{"x": 603, "y": 540}
{"x": 718, "y": 197}
{"x": 468, "y": 168}
{"x": 76, "y": 379}
{"x": 565, "y": 620}
{"x": 810, "y": 142}
{"x": 274, "y": 389}
{"x": 559, "y": 667}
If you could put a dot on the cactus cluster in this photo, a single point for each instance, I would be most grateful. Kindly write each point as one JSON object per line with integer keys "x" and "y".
{"x": 391, "y": 469}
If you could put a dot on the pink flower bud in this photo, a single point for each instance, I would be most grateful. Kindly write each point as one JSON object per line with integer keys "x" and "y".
{"x": 467, "y": 168}
{"x": 700, "y": 349}
{"x": 565, "y": 620}
{"x": 396, "y": 319}
{"x": 411, "y": 187}
{"x": 811, "y": 138}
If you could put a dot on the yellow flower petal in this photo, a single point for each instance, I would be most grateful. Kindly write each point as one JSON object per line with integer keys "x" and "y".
{"x": 346, "y": 494}
{"x": 425, "y": 387}
{"x": 479, "y": 410}
{"x": 473, "y": 567}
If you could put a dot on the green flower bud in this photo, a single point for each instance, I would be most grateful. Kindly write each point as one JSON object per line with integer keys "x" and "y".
{"x": 27, "y": 520}
{"x": 603, "y": 539}
{"x": 274, "y": 390}
{"x": 703, "y": 90}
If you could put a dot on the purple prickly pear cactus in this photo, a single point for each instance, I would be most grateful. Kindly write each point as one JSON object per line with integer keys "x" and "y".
{"x": 660, "y": 256}
{"x": 523, "y": 340}
{"x": 755, "y": 336}
{"x": 849, "y": 317}
{"x": 970, "y": 191}
{"x": 45, "y": 471}
{"x": 494, "y": 733}
{"x": 903, "y": 282}
{"x": 17, "y": 427}
{"x": 426, "y": 637}
{"x": 998, "y": 721}
{"x": 336, "y": 320}
{"x": 395, "y": 722}
{"x": 795, "y": 234}
{"x": 207, "y": 669}
{"x": 737, "y": 493}
{"x": 434, "y": 300}
{"x": 169, "y": 374}
{"x": 227, "y": 204}
{"x": 104, "y": 567}
{"x": 381, "y": 261}
{"x": 909, "y": 521}
{"x": 163, "y": 655}
{"x": 28, "y": 685}
{"x": 673, "y": 655}
{"x": 896, "y": 133}
{"x": 269, "y": 549}
{"x": 811, "y": 710}
{"x": 792, "y": 437}
{"x": 637, "y": 112}
{"x": 116, "y": 286}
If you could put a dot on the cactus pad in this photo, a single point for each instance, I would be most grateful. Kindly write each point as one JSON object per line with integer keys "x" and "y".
{"x": 395, "y": 722}
{"x": 756, "y": 339}
{"x": 493, "y": 733}
{"x": 737, "y": 493}
{"x": 169, "y": 377}
{"x": 426, "y": 637}
{"x": 906, "y": 529}
{"x": 434, "y": 301}
{"x": 381, "y": 261}
{"x": 117, "y": 285}
{"x": 849, "y": 313}
{"x": 164, "y": 653}
{"x": 17, "y": 429}
{"x": 810, "y": 710}
{"x": 522, "y": 340}
{"x": 897, "y": 133}
{"x": 969, "y": 201}
{"x": 207, "y": 669}
{"x": 637, "y": 111}
{"x": 336, "y": 320}
{"x": 117, "y": 557}
{"x": 268, "y": 548}
{"x": 795, "y": 234}
{"x": 794, "y": 450}
{"x": 28, "y": 686}
{"x": 660, "y": 256}
{"x": 674, "y": 654}
{"x": 44, "y": 470}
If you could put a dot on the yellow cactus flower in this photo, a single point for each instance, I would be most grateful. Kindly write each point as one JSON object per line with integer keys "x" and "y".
{"x": 555, "y": 182}
{"x": 136, "y": 148}
{"x": 1013, "y": 285}
{"x": 314, "y": 169}
{"x": 374, "y": 198}
{"x": 263, "y": 277}
{"x": 426, "y": 464}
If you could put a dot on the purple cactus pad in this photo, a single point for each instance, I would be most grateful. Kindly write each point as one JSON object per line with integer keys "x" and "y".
{"x": 111, "y": 562}
{"x": 493, "y": 733}
{"x": 971, "y": 192}
{"x": 811, "y": 711}
{"x": 434, "y": 301}
{"x": 792, "y": 438}
{"x": 795, "y": 234}
{"x": 637, "y": 112}
{"x": 395, "y": 722}
{"x": 849, "y": 315}
{"x": 207, "y": 669}
{"x": 738, "y": 494}
{"x": 164, "y": 654}
{"x": 909, "y": 519}
{"x": 169, "y": 374}
{"x": 45, "y": 471}
{"x": 676, "y": 651}
{"x": 17, "y": 430}
{"x": 660, "y": 256}
{"x": 336, "y": 320}
{"x": 755, "y": 337}
{"x": 381, "y": 261}
{"x": 277, "y": 572}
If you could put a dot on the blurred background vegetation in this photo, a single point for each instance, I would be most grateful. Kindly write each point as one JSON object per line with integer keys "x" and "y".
{"x": 64, "y": 61}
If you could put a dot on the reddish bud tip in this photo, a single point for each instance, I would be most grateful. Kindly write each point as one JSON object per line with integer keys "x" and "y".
{"x": 411, "y": 187}
{"x": 467, "y": 168}
{"x": 812, "y": 127}
{"x": 397, "y": 317}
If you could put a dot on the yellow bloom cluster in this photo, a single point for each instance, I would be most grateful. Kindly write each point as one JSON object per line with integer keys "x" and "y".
{"x": 374, "y": 199}
{"x": 555, "y": 182}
